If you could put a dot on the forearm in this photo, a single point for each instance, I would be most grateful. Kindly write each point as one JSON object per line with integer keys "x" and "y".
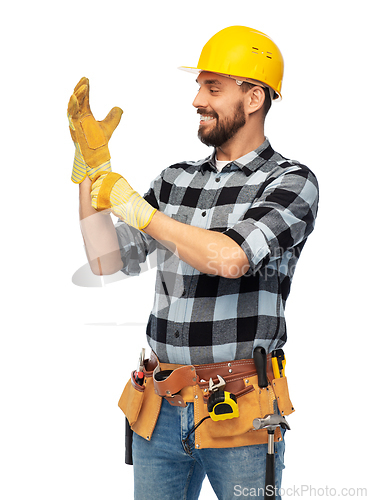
{"x": 207, "y": 251}
{"x": 99, "y": 235}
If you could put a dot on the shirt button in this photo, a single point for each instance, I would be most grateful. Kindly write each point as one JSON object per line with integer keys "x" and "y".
{"x": 177, "y": 334}
{"x": 217, "y": 179}
{"x": 204, "y": 214}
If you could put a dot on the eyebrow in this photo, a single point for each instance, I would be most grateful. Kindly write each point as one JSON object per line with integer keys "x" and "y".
{"x": 210, "y": 82}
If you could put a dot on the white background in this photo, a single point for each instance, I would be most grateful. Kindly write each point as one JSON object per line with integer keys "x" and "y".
{"x": 67, "y": 351}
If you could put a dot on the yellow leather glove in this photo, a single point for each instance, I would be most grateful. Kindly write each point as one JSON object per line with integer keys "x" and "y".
{"x": 90, "y": 137}
{"x": 112, "y": 192}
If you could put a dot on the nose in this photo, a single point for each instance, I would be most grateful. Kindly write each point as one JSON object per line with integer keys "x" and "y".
{"x": 200, "y": 100}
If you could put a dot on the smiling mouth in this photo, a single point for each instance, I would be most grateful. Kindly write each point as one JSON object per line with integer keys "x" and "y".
{"x": 206, "y": 118}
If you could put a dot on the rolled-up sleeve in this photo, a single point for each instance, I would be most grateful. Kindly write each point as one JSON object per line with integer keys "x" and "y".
{"x": 134, "y": 246}
{"x": 281, "y": 218}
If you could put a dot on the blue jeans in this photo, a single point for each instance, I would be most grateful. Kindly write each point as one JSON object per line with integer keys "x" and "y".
{"x": 165, "y": 470}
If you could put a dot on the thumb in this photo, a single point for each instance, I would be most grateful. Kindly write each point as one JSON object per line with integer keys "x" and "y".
{"x": 73, "y": 107}
{"x": 111, "y": 121}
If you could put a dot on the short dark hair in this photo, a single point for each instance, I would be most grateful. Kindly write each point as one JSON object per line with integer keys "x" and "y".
{"x": 267, "y": 102}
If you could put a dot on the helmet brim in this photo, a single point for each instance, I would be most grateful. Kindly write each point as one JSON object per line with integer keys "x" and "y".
{"x": 196, "y": 71}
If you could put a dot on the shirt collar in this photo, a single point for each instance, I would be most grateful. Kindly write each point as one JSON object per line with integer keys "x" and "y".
{"x": 248, "y": 163}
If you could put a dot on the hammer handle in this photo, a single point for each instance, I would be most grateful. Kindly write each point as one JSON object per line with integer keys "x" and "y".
{"x": 128, "y": 443}
{"x": 260, "y": 360}
{"x": 270, "y": 477}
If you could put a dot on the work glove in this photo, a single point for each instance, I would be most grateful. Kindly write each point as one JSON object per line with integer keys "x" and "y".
{"x": 112, "y": 192}
{"x": 90, "y": 137}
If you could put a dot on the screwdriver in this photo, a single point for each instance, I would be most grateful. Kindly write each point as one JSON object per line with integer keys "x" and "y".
{"x": 278, "y": 363}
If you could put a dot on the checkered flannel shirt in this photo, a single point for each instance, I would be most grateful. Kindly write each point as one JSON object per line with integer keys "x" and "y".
{"x": 265, "y": 203}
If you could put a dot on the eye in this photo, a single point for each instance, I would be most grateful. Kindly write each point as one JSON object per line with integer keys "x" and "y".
{"x": 214, "y": 91}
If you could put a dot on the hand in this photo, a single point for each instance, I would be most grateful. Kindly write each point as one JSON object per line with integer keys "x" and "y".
{"x": 110, "y": 191}
{"x": 90, "y": 137}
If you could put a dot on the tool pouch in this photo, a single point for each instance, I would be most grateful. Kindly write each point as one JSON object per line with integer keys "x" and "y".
{"x": 280, "y": 388}
{"x": 141, "y": 405}
{"x": 132, "y": 399}
{"x": 253, "y": 402}
{"x": 248, "y": 406}
{"x": 169, "y": 383}
{"x": 141, "y": 401}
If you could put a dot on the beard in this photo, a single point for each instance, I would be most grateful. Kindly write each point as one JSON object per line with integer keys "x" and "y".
{"x": 223, "y": 130}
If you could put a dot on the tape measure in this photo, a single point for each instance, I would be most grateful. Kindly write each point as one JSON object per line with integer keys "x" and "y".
{"x": 222, "y": 405}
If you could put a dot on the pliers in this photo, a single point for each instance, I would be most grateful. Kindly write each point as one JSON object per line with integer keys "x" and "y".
{"x": 139, "y": 374}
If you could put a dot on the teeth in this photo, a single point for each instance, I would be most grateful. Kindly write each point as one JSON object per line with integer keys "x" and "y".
{"x": 206, "y": 118}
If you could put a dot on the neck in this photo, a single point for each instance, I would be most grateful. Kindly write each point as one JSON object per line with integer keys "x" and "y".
{"x": 245, "y": 140}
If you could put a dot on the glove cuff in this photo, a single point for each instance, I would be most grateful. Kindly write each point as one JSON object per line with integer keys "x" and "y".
{"x": 79, "y": 166}
{"x": 103, "y": 198}
{"x": 112, "y": 192}
{"x": 139, "y": 212}
{"x": 103, "y": 168}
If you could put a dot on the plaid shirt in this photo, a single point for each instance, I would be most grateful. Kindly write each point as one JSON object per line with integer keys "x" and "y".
{"x": 267, "y": 205}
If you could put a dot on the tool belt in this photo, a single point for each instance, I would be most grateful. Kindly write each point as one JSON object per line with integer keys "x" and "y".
{"x": 182, "y": 384}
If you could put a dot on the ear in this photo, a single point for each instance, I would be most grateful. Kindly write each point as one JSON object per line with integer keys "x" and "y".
{"x": 256, "y": 99}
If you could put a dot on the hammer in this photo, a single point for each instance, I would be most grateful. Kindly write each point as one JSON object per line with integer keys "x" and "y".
{"x": 270, "y": 422}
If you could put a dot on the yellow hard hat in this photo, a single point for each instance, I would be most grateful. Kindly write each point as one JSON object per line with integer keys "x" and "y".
{"x": 244, "y": 54}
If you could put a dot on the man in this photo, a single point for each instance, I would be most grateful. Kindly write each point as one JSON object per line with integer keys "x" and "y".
{"x": 228, "y": 231}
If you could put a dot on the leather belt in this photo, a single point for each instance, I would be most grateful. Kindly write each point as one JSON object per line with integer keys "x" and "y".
{"x": 170, "y": 379}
